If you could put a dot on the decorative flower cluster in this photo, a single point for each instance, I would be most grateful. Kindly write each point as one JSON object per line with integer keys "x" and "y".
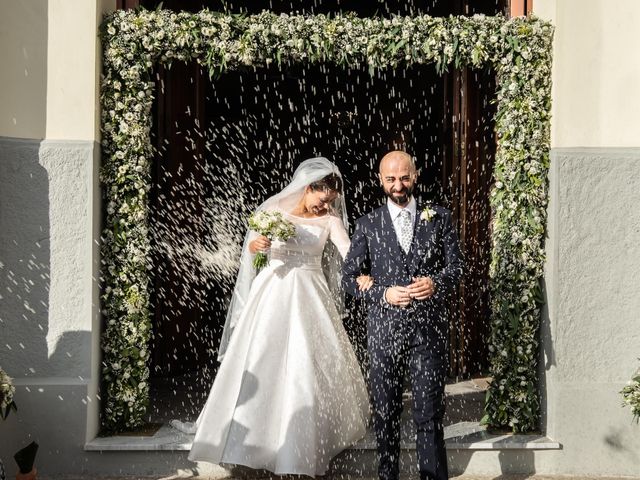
{"x": 7, "y": 390}
{"x": 631, "y": 395}
{"x": 518, "y": 49}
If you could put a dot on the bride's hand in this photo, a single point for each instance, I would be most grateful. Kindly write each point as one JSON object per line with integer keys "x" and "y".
{"x": 260, "y": 244}
{"x": 365, "y": 282}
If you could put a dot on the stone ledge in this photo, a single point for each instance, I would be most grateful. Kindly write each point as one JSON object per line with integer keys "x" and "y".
{"x": 460, "y": 436}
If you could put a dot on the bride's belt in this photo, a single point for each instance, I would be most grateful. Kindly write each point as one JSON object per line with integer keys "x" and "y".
{"x": 297, "y": 259}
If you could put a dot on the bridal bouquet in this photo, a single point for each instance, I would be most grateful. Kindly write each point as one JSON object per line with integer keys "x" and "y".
{"x": 6, "y": 395}
{"x": 272, "y": 225}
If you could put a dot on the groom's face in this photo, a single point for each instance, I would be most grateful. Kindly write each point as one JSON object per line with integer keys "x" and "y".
{"x": 398, "y": 178}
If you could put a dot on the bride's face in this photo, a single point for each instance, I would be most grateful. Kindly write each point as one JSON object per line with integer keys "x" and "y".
{"x": 319, "y": 201}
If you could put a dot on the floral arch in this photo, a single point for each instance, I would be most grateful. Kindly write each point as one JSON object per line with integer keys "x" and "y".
{"x": 518, "y": 49}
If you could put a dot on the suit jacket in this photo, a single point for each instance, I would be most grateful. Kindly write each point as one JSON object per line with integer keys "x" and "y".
{"x": 434, "y": 252}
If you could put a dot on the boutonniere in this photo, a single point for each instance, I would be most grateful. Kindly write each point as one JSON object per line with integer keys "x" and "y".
{"x": 427, "y": 214}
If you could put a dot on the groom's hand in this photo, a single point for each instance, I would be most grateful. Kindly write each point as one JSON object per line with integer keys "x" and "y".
{"x": 421, "y": 288}
{"x": 398, "y": 296}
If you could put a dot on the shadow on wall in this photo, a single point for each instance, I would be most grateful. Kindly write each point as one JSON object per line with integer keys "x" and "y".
{"x": 620, "y": 446}
{"x": 71, "y": 347}
{"x": 43, "y": 226}
{"x": 48, "y": 361}
{"x": 546, "y": 356}
{"x": 25, "y": 264}
{"x": 25, "y": 272}
{"x": 514, "y": 464}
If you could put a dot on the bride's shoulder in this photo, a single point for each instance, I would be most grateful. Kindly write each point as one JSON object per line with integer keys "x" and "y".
{"x": 334, "y": 220}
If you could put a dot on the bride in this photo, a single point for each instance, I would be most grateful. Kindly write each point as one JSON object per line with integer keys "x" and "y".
{"x": 289, "y": 394}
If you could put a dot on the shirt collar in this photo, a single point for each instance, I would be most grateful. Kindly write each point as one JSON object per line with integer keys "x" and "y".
{"x": 394, "y": 210}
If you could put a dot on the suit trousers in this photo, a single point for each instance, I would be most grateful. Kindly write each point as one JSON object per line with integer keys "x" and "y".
{"x": 394, "y": 346}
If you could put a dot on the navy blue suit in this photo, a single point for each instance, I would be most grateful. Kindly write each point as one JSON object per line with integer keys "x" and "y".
{"x": 415, "y": 337}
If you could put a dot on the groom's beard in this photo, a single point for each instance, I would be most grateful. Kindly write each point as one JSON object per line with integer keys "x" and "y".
{"x": 400, "y": 198}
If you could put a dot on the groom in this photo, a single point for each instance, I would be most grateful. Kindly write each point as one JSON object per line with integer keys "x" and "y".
{"x": 412, "y": 253}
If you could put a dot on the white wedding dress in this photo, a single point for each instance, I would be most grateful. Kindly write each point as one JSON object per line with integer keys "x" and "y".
{"x": 289, "y": 394}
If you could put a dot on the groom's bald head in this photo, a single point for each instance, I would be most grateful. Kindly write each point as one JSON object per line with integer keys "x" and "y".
{"x": 397, "y": 158}
{"x": 398, "y": 176}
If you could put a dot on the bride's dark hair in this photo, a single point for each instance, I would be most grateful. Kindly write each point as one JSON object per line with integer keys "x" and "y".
{"x": 331, "y": 182}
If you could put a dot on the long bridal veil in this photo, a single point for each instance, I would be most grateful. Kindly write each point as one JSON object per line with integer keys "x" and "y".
{"x": 309, "y": 171}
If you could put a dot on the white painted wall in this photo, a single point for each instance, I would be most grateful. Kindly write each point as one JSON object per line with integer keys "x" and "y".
{"x": 72, "y": 85}
{"x": 596, "y": 72}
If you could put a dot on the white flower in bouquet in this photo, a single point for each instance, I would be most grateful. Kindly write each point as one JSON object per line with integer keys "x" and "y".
{"x": 272, "y": 225}
{"x": 7, "y": 391}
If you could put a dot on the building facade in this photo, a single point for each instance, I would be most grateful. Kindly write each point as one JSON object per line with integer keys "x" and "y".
{"x": 50, "y": 221}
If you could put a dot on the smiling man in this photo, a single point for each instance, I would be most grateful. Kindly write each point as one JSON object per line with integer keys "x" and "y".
{"x": 415, "y": 260}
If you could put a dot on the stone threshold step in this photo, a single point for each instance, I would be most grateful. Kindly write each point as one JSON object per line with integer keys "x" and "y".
{"x": 460, "y": 436}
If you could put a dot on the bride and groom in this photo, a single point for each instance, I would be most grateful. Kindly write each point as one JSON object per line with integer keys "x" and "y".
{"x": 289, "y": 394}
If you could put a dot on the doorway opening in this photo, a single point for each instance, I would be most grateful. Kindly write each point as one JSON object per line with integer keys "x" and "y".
{"x": 252, "y": 127}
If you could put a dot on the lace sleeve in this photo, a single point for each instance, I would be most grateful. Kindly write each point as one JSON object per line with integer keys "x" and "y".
{"x": 338, "y": 236}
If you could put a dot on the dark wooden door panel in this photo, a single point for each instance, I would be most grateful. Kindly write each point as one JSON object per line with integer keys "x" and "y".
{"x": 468, "y": 175}
{"x": 177, "y": 210}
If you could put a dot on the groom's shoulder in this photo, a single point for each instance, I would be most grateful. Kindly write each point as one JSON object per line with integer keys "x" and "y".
{"x": 372, "y": 216}
{"x": 440, "y": 210}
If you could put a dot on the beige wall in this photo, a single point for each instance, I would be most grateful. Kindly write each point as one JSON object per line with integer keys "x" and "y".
{"x": 50, "y": 86}
{"x": 23, "y": 68}
{"x": 596, "y": 72}
{"x": 545, "y": 9}
{"x": 71, "y": 82}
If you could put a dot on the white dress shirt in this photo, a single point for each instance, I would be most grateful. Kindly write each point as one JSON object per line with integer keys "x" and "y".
{"x": 394, "y": 211}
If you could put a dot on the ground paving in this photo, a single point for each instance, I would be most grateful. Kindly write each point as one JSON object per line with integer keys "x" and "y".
{"x": 190, "y": 475}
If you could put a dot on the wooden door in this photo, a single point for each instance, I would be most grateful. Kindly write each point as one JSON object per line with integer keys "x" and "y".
{"x": 467, "y": 176}
{"x": 178, "y": 293}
